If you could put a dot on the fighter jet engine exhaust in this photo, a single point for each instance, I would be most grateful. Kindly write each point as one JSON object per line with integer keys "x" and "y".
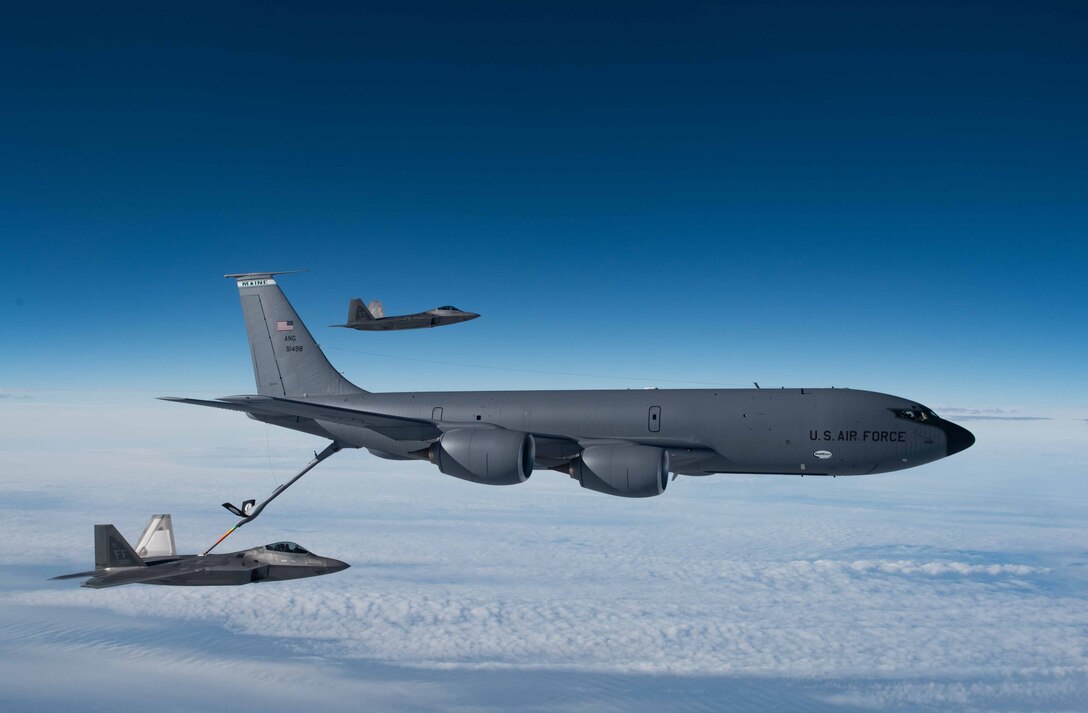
{"x": 626, "y": 470}
{"x": 492, "y": 456}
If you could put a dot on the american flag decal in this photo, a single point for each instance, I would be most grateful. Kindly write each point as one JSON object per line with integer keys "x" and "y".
{"x": 287, "y": 326}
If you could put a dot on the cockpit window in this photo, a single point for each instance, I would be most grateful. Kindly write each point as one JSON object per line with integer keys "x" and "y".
{"x": 451, "y": 308}
{"x": 287, "y": 547}
{"x": 915, "y": 413}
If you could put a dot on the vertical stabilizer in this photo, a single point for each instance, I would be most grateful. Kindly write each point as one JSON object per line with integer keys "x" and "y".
{"x": 158, "y": 538}
{"x": 357, "y": 312}
{"x": 286, "y": 359}
{"x": 376, "y": 309}
{"x": 111, "y": 550}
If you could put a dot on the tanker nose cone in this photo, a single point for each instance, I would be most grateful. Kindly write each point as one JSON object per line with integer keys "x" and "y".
{"x": 958, "y": 437}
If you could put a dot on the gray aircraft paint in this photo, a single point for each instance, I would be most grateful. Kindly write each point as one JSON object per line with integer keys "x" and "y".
{"x": 286, "y": 360}
{"x": 374, "y": 319}
{"x": 703, "y": 431}
{"x": 117, "y": 563}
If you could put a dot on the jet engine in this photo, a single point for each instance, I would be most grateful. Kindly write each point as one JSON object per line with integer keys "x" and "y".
{"x": 492, "y": 456}
{"x": 626, "y": 469}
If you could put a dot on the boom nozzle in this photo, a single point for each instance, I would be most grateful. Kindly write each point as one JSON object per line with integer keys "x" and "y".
{"x": 244, "y": 511}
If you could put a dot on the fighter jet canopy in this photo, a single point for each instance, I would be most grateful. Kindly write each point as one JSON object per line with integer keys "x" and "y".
{"x": 287, "y": 547}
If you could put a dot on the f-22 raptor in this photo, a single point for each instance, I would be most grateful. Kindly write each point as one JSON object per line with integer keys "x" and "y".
{"x": 372, "y": 318}
{"x": 154, "y": 561}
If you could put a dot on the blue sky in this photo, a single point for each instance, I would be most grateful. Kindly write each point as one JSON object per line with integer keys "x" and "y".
{"x": 878, "y": 195}
{"x": 884, "y": 197}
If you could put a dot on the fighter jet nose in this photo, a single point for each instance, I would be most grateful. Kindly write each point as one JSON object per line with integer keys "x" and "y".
{"x": 335, "y": 565}
{"x": 958, "y": 437}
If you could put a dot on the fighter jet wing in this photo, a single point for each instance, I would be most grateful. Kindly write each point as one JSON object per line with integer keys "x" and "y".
{"x": 395, "y": 427}
{"x": 138, "y": 575}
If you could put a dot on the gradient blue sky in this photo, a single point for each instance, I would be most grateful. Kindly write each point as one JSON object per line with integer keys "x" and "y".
{"x": 880, "y": 195}
{"x": 884, "y": 195}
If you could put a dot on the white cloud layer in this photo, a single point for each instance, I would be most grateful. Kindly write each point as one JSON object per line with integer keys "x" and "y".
{"x": 950, "y": 586}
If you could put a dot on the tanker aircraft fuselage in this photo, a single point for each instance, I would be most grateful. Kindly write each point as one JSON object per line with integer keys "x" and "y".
{"x": 619, "y": 442}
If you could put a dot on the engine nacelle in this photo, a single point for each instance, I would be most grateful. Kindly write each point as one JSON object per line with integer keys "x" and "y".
{"x": 391, "y": 456}
{"x": 627, "y": 469}
{"x": 492, "y": 456}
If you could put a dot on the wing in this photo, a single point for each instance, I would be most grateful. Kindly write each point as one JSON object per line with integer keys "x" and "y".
{"x": 395, "y": 427}
{"x": 551, "y": 449}
{"x": 140, "y": 575}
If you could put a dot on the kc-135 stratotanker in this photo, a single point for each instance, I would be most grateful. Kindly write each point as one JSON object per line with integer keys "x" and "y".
{"x": 618, "y": 442}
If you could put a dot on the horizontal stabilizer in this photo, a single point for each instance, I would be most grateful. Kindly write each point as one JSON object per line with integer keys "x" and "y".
{"x": 258, "y": 275}
{"x": 77, "y": 575}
